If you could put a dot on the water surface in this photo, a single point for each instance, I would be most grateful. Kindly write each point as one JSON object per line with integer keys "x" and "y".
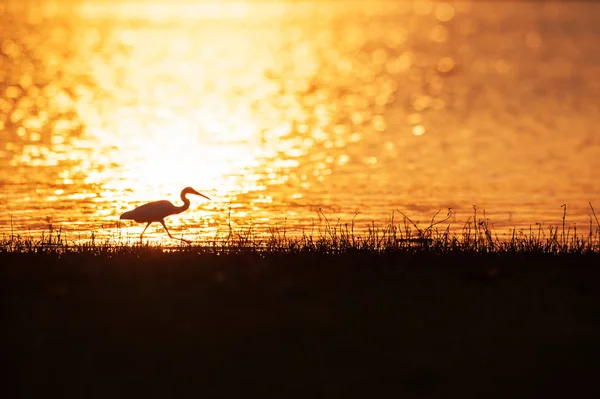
{"x": 279, "y": 111}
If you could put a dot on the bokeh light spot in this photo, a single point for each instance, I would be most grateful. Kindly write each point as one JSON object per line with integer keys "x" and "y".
{"x": 418, "y": 130}
{"x": 445, "y": 64}
{"x": 444, "y": 12}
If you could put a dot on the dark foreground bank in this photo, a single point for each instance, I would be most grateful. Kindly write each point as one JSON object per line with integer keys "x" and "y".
{"x": 302, "y": 325}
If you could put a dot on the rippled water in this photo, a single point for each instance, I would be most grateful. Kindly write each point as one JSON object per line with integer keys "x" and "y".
{"x": 276, "y": 110}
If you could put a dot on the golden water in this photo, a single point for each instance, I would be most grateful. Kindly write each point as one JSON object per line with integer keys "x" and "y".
{"x": 277, "y": 110}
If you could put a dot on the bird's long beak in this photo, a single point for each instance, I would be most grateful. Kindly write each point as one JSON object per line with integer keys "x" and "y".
{"x": 202, "y": 195}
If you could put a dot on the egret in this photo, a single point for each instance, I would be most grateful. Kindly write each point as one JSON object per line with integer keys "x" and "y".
{"x": 157, "y": 211}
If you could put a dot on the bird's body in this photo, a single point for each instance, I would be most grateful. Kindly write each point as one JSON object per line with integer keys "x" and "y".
{"x": 157, "y": 211}
{"x": 152, "y": 212}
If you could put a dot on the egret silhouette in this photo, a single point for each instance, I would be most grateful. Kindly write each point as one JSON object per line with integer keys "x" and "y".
{"x": 157, "y": 211}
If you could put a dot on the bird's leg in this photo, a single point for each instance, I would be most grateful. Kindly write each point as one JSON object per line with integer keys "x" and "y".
{"x": 143, "y": 231}
{"x": 162, "y": 221}
{"x": 165, "y": 226}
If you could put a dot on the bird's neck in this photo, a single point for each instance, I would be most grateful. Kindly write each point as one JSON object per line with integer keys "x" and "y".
{"x": 185, "y": 206}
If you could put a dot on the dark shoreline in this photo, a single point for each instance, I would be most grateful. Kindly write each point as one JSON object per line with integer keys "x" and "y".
{"x": 191, "y": 324}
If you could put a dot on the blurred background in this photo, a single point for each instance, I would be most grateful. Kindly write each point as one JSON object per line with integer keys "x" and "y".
{"x": 287, "y": 112}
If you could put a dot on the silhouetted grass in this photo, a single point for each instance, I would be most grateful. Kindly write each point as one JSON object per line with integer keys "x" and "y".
{"x": 397, "y": 310}
{"x": 405, "y": 236}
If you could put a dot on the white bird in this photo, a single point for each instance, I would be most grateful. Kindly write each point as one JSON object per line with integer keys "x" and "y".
{"x": 157, "y": 211}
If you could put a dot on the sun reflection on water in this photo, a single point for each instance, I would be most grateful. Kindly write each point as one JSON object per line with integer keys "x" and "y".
{"x": 277, "y": 110}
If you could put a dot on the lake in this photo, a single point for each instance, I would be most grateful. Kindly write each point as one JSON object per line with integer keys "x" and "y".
{"x": 291, "y": 114}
